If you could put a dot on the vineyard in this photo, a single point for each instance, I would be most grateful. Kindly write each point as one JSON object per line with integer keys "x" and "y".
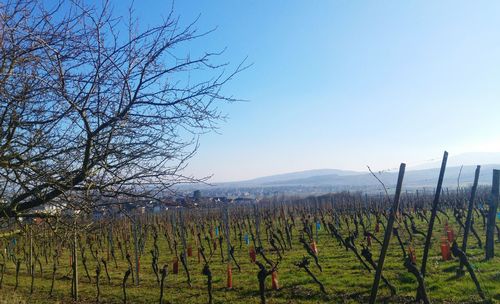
{"x": 104, "y": 104}
{"x": 344, "y": 247}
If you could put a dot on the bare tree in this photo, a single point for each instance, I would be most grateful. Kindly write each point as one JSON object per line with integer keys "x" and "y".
{"x": 90, "y": 104}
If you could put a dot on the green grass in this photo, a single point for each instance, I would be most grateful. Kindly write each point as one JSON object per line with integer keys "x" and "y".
{"x": 345, "y": 280}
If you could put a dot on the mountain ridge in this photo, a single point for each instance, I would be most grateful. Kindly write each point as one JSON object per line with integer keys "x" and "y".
{"x": 423, "y": 178}
{"x": 415, "y": 177}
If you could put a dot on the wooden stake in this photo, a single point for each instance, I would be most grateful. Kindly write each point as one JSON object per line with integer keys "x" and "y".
{"x": 388, "y": 231}
{"x": 468, "y": 221}
{"x": 31, "y": 247}
{"x": 75, "y": 265}
{"x": 492, "y": 212}
{"x": 433, "y": 214}
{"x": 136, "y": 252}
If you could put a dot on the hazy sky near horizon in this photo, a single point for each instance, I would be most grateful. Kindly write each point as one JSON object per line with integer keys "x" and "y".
{"x": 345, "y": 84}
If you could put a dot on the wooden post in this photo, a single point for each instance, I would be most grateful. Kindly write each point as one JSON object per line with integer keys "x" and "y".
{"x": 183, "y": 235}
{"x": 387, "y": 236}
{"x": 257, "y": 224}
{"x": 468, "y": 221}
{"x": 227, "y": 232}
{"x": 184, "y": 259}
{"x": 31, "y": 247}
{"x": 428, "y": 237}
{"x": 492, "y": 211}
{"x": 136, "y": 252}
{"x": 75, "y": 265}
{"x": 316, "y": 219}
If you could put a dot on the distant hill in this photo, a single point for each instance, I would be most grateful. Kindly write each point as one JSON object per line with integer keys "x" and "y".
{"x": 282, "y": 178}
{"x": 338, "y": 180}
{"x": 413, "y": 178}
{"x": 327, "y": 180}
{"x": 465, "y": 159}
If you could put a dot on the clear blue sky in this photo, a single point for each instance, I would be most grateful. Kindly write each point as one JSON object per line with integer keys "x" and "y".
{"x": 345, "y": 84}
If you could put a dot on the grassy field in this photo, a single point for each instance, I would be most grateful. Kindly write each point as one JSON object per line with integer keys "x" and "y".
{"x": 345, "y": 280}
